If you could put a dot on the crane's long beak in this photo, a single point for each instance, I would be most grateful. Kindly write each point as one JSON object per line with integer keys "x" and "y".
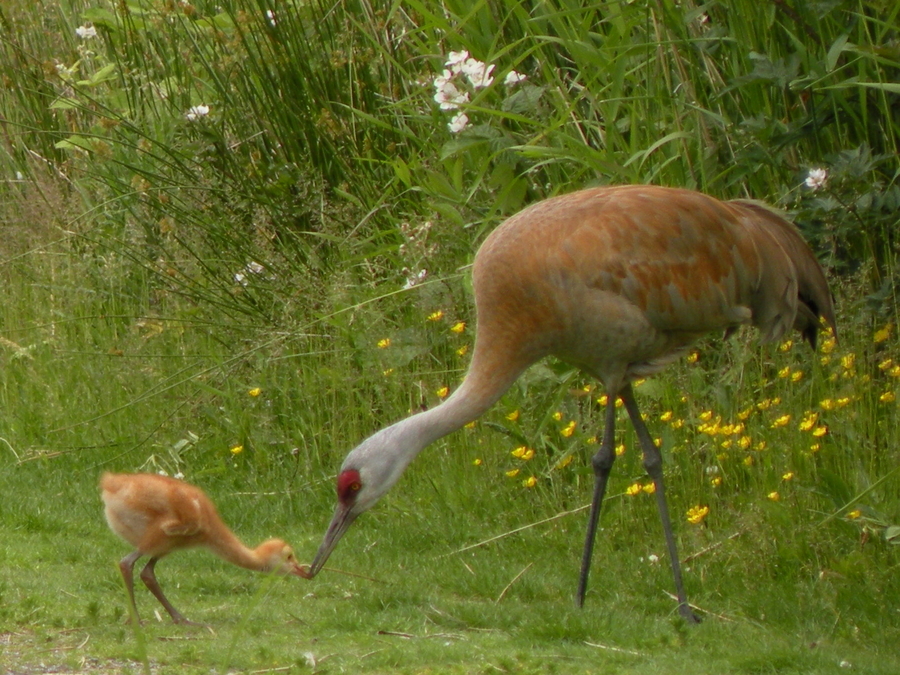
{"x": 344, "y": 515}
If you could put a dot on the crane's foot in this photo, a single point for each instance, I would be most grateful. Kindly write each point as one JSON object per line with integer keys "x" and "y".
{"x": 688, "y": 614}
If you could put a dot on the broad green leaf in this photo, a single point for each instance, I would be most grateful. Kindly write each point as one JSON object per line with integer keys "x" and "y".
{"x": 75, "y": 143}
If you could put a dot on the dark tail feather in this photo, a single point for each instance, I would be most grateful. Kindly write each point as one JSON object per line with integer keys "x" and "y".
{"x": 816, "y": 303}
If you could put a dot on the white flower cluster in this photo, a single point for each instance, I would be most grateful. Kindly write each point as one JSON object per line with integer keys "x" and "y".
{"x": 449, "y": 93}
{"x": 86, "y": 32}
{"x": 251, "y": 267}
{"x": 196, "y": 112}
{"x": 816, "y": 178}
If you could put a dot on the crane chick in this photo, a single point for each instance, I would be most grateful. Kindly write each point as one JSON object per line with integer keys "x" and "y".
{"x": 620, "y": 281}
{"x": 158, "y": 515}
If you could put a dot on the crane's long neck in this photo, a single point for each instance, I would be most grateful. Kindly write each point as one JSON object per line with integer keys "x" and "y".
{"x": 225, "y": 544}
{"x": 483, "y": 386}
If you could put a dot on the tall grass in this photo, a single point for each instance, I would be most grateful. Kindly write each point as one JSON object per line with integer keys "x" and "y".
{"x": 243, "y": 295}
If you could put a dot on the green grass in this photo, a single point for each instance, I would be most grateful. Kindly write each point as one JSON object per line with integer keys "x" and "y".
{"x": 127, "y": 343}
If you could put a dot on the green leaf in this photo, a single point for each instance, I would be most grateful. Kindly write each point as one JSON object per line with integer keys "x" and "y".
{"x": 65, "y": 103}
{"x": 834, "y": 52}
{"x": 75, "y": 143}
{"x": 107, "y": 72}
{"x": 893, "y": 87}
{"x": 101, "y": 17}
{"x": 460, "y": 146}
{"x": 892, "y": 535}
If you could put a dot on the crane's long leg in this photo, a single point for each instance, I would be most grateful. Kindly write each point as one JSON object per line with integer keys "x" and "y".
{"x": 126, "y": 566}
{"x": 653, "y": 466}
{"x": 602, "y": 463}
{"x": 148, "y": 576}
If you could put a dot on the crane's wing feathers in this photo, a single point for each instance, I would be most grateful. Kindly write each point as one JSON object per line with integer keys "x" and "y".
{"x": 814, "y": 298}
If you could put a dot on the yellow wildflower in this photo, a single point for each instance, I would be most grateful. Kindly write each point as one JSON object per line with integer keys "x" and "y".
{"x": 883, "y": 334}
{"x": 619, "y": 402}
{"x": 796, "y": 376}
{"x": 603, "y": 400}
{"x": 470, "y": 425}
{"x": 814, "y": 448}
{"x": 638, "y": 382}
{"x": 237, "y": 449}
{"x": 666, "y": 416}
{"x": 564, "y": 462}
{"x": 657, "y": 442}
{"x": 716, "y": 482}
{"x": 826, "y": 404}
{"x": 568, "y": 430}
{"x": 774, "y": 496}
{"x": 462, "y": 351}
{"x": 458, "y": 327}
{"x": 256, "y": 391}
{"x": 854, "y": 514}
{"x": 887, "y": 397}
{"x": 786, "y": 345}
{"x": 384, "y": 343}
{"x": 744, "y": 442}
{"x": 809, "y": 421}
{"x": 591, "y": 441}
{"x": 788, "y": 476}
{"x": 692, "y": 357}
{"x": 781, "y": 421}
{"x": 529, "y": 482}
{"x": 442, "y": 392}
{"x": 887, "y": 363}
{"x": 765, "y": 404}
{"x": 436, "y": 316}
{"x": 477, "y": 462}
{"x": 824, "y": 360}
{"x": 744, "y": 414}
{"x": 784, "y": 372}
{"x": 894, "y": 371}
{"x": 633, "y": 489}
{"x": 748, "y": 460}
{"x": 387, "y": 372}
{"x": 828, "y": 345}
{"x": 727, "y": 443}
{"x": 696, "y": 514}
{"x": 706, "y": 415}
{"x": 528, "y": 454}
{"x": 847, "y": 360}
{"x": 818, "y": 432}
{"x": 620, "y": 449}
{"x": 841, "y": 402}
{"x": 512, "y": 473}
{"x": 513, "y": 416}
{"x": 649, "y": 488}
{"x": 518, "y": 452}
{"x": 557, "y": 415}
{"x": 760, "y": 446}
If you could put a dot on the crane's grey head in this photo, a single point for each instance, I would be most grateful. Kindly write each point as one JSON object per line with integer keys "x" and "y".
{"x": 368, "y": 472}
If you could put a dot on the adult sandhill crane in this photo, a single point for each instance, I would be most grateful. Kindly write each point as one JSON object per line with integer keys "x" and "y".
{"x": 158, "y": 515}
{"x": 620, "y": 281}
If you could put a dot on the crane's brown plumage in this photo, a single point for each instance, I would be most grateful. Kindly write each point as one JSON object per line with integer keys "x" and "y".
{"x": 619, "y": 281}
{"x": 158, "y": 515}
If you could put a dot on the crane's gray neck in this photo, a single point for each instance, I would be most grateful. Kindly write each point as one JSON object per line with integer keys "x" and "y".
{"x": 384, "y": 456}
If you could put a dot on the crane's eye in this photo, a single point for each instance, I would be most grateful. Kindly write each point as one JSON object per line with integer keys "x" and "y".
{"x": 348, "y": 484}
